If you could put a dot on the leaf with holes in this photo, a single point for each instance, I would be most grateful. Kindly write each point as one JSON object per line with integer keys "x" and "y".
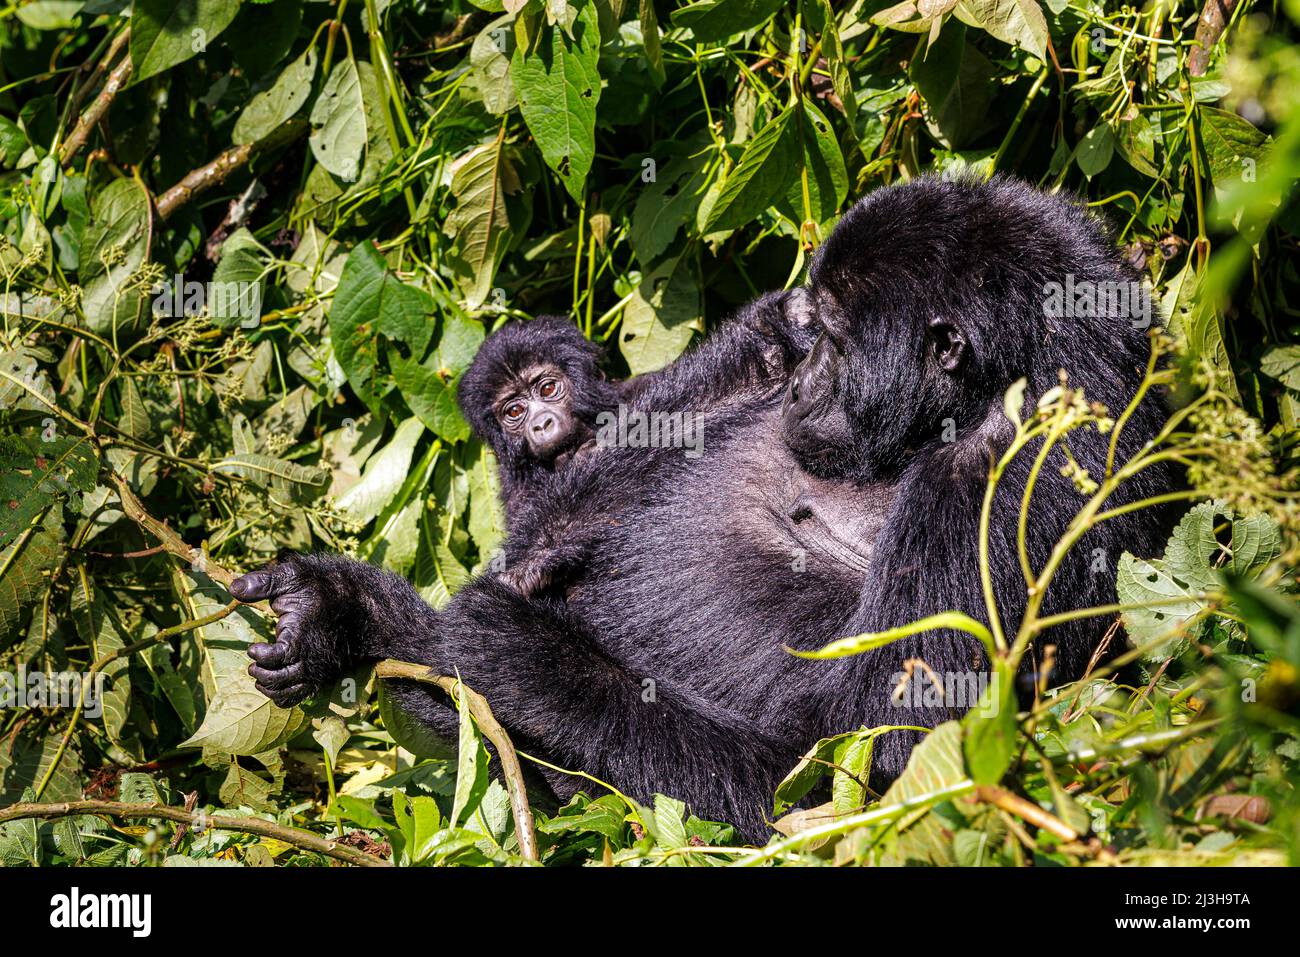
{"x": 558, "y": 87}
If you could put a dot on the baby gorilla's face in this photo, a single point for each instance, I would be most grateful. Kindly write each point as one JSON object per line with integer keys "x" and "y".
{"x": 536, "y": 407}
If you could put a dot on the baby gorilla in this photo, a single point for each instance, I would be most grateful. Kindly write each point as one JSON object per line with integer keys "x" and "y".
{"x": 533, "y": 394}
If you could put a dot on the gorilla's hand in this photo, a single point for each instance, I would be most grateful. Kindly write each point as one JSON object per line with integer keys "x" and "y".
{"x": 324, "y": 608}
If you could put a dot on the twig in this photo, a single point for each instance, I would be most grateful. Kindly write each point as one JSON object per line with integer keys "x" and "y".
{"x": 487, "y": 722}
{"x": 171, "y": 542}
{"x": 1025, "y": 810}
{"x": 99, "y": 106}
{"x": 199, "y": 820}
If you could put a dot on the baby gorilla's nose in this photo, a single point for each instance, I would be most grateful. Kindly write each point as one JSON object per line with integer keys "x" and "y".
{"x": 544, "y": 426}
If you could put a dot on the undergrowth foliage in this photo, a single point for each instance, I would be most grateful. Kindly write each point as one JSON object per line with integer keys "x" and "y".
{"x": 246, "y": 258}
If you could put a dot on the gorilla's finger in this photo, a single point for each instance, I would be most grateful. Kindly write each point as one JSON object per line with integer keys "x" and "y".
{"x": 284, "y": 697}
{"x": 269, "y": 582}
{"x": 269, "y": 655}
{"x": 289, "y": 602}
{"x": 277, "y": 678}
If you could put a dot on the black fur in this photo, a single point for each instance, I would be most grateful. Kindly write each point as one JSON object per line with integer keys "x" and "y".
{"x": 691, "y": 583}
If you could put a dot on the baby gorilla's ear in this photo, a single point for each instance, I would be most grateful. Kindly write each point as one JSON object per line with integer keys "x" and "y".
{"x": 948, "y": 344}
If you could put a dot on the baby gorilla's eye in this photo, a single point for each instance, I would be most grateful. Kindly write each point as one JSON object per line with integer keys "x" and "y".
{"x": 515, "y": 409}
{"x": 548, "y": 388}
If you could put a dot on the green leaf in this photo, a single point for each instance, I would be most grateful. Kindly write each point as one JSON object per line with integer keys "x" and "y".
{"x": 487, "y": 521}
{"x": 664, "y": 313}
{"x": 270, "y": 109}
{"x": 923, "y": 836}
{"x": 34, "y": 474}
{"x": 489, "y": 58}
{"x": 1018, "y": 22}
{"x": 1174, "y": 589}
{"x": 989, "y": 738}
{"x": 25, "y": 562}
{"x": 1232, "y": 145}
{"x": 713, "y": 20}
{"x": 383, "y": 477}
{"x": 654, "y": 54}
{"x": 235, "y": 297}
{"x": 471, "y": 767}
{"x": 237, "y": 718}
{"x": 763, "y": 173}
{"x": 167, "y": 32}
{"x": 558, "y": 86}
{"x": 50, "y": 14}
{"x": 856, "y": 645}
{"x": 370, "y": 303}
{"x": 956, "y": 82}
{"x": 1094, "y": 152}
{"x": 828, "y": 182}
{"x": 479, "y": 225}
{"x": 338, "y": 119}
{"x": 115, "y": 244}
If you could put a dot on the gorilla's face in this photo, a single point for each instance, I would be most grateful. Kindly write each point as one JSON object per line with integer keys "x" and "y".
{"x": 880, "y": 382}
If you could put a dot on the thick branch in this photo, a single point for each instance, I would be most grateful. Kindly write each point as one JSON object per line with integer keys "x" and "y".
{"x": 116, "y": 80}
{"x": 492, "y": 730}
{"x": 1214, "y": 19}
{"x": 198, "y": 820}
{"x": 219, "y": 170}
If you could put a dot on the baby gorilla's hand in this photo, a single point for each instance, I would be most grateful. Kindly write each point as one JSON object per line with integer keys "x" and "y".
{"x": 316, "y": 617}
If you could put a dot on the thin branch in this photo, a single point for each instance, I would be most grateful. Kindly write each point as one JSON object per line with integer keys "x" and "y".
{"x": 492, "y": 730}
{"x": 199, "y": 820}
{"x": 1025, "y": 810}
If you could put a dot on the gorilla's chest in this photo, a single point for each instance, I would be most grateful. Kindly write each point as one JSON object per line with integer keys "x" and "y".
{"x": 726, "y": 561}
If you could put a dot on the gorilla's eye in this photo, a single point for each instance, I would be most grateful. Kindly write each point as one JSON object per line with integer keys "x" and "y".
{"x": 514, "y": 410}
{"x": 948, "y": 343}
{"x": 548, "y": 388}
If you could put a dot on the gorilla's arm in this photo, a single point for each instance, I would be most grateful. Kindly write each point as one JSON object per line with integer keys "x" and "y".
{"x": 570, "y": 700}
{"x": 748, "y": 354}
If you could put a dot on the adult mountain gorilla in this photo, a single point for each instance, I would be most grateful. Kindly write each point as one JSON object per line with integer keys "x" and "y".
{"x": 846, "y": 511}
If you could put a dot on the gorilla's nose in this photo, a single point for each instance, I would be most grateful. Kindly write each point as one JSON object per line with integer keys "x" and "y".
{"x": 544, "y": 426}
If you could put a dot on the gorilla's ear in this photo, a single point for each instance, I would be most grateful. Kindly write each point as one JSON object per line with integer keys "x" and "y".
{"x": 948, "y": 343}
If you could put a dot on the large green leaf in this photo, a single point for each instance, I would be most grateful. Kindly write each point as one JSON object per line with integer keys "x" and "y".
{"x": 712, "y": 20}
{"x": 167, "y": 32}
{"x": 238, "y": 719}
{"x": 1018, "y": 22}
{"x": 383, "y": 475}
{"x": 558, "y": 86}
{"x": 479, "y": 225}
{"x": 661, "y": 317}
{"x": 270, "y": 109}
{"x": 338, "y": 119}
{"x": 370, "y": 303}
{"x": 765, "y": 171}
{"x": 35, "y": 473}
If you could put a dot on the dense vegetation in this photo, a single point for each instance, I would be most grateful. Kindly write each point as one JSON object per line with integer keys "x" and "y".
{"x": 248, "y": 247}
